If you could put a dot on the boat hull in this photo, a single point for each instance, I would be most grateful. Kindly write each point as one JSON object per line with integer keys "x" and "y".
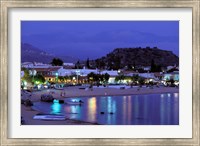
{"x": 50, "y": 117}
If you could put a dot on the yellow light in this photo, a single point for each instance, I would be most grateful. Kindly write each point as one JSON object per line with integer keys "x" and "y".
{"x": 37, "y": 82}
{"x": 25, "y": 83}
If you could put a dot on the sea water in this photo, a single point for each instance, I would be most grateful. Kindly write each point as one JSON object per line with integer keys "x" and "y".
{"x": 151, "y": 109}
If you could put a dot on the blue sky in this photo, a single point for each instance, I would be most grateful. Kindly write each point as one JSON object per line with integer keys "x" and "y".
{"x": 93, "y": 39}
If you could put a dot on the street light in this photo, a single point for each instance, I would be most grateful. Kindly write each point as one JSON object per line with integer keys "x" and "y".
{"x": 32, "y": 73}
{"x": 56, "y": 76}
{"x": 120, "y": 75}
{"x": 77, "y": 74}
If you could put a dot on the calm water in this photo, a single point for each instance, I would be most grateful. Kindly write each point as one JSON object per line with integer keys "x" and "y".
{"x": 152, "y": 109}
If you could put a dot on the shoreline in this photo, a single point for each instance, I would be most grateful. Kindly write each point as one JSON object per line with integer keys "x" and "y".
{"x": 120, "y": 94}
{"x": 72, "y": 92}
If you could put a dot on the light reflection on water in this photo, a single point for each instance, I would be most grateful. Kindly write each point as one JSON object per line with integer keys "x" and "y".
{"x": 55, "y": 108}
{"x": 92, "y": 105}
{"x": 153, "y": 109}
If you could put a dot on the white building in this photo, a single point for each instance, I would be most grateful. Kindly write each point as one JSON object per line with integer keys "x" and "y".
{"x": 27, "y": 65}
{"x": 112, "y": 73}
{"x": 35, "y": 65}
{"x": 172, "y": 75}
{"x": 147, "y": 68}
{"x": 81, "y": 72}
{"x": 147, "y": 75}
{"x": 84, "y": 72}
{"x": 42, "y": 66}
{"x": 69, "y": 64}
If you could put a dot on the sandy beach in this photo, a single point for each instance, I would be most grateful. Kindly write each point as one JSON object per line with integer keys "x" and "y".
{"x": 28, "y": 113}
{"x": 100, "y": 91}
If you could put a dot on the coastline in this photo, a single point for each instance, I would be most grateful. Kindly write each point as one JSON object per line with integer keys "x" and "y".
{"x": 71, "y": 92}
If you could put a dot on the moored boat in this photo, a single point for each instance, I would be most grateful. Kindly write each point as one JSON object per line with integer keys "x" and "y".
{"x": 58, "y": 88}
{"x": 52, "y": 117}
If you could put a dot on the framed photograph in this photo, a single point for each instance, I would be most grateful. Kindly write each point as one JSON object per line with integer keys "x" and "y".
{"x": 100, "y": 72}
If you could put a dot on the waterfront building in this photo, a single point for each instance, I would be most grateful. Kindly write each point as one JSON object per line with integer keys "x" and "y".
{"x": 173, "y": 75}
{"x": 65, "y": 75}
{"x": 27, "y": 65}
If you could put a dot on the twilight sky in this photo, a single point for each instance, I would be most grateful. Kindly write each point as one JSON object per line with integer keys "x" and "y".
{"x": 93, "y": 39}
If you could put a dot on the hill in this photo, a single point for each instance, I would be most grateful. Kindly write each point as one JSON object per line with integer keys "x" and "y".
{"x": 135, "y": 57}
{"x": 30, "y": 53}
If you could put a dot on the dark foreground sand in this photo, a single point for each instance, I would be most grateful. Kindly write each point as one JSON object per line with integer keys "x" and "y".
{"x": 28, "y": 113}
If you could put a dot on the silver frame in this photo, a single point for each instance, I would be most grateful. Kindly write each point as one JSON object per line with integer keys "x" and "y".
{"x": 7, "y": 4}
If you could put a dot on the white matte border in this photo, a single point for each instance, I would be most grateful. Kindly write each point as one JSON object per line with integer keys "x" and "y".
{"x": 183, "y": 130}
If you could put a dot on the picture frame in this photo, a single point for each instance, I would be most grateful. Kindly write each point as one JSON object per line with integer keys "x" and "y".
{"x": 4, "y": 89}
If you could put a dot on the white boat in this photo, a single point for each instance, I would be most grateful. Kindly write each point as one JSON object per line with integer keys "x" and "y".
{"x": 58, "y": 88}
{"x": 50, "y": 117}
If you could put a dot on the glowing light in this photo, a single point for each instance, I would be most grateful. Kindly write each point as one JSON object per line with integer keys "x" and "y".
{"x": 74, "y": 109}
{"x": 169, "y": 95}
{"x": 37, "y": 82}
{"x": 25, "y": 83}
{"x": 56, "y": 108}
{"x": 176, "y": 83}
{"x": 45, "y": 86}
{"x": 92, "y": 106}
{"x": 73, "y": 100}
{"x": 176, "y": 95}
{"x": 162, "y": 95}
{"x": 124, "y": 97}
{"x": 55, "y": 101}
{"x": 39, "y": 86}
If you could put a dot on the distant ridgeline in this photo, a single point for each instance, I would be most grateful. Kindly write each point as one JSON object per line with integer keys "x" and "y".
{"x": 130, "y": 58}
{"x": 30, "y": 53}
{"x": 120, "y": 58}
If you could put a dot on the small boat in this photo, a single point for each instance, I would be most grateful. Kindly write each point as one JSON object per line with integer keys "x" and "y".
{"x": 50, "y": 117}
{"x": 58, "y": 88}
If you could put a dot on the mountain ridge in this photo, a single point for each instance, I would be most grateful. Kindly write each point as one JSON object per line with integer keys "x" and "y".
{"x": 30, "y": 53}
{"x": 118, "y": 58}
